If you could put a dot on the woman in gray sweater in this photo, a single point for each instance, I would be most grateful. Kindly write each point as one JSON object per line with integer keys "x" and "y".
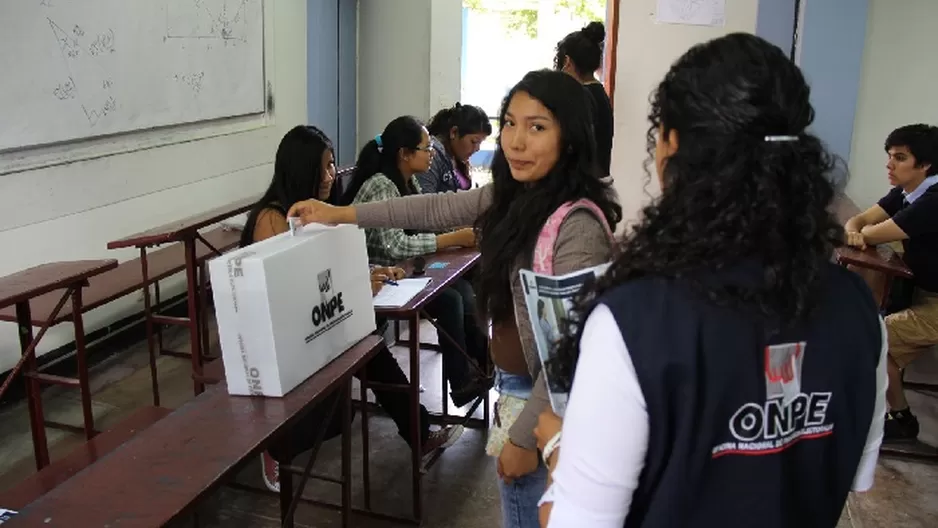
{"x": 546, "y": 157}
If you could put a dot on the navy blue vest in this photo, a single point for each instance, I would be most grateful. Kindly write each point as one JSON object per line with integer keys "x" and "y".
{"x": 749, "y": 426}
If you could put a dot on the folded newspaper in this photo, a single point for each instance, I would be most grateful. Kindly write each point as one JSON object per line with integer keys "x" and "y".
{"x": 549, "y": 300}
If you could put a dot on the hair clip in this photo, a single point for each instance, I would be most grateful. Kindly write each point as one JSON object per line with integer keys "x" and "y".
{"x": 776, "y": 139}
{"x": 379, "y": 142}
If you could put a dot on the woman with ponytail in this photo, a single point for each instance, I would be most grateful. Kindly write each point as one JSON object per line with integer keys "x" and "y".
{"x": 305, "y": 168}
{"x": 726, "y": 372}
{"x": 456, "y": 133}
{"x": 385, "y": 169}
{"x": 580, "y": 54}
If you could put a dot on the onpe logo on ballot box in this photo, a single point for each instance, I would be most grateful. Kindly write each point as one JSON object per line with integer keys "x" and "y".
{"x": 331, "y": 309}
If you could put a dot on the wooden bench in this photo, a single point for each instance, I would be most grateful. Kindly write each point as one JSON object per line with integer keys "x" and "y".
{"x": 125, "y": 279}
{"x": 160, "y": 473}
{"x": 17, "y": 290}
{"x": 38, "y": 484}
{"x": 187, "y": 233}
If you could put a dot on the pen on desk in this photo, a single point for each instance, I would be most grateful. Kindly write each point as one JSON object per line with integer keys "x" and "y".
{"x": 390, "y": 282}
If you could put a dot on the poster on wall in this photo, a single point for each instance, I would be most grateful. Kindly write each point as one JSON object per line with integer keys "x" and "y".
{"x": 692, "y": 12}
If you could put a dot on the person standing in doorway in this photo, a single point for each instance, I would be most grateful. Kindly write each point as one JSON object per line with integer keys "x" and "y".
{"x": 580, "y": 54}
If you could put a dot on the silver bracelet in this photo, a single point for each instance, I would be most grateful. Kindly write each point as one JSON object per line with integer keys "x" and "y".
{"x": 551, "y": 446}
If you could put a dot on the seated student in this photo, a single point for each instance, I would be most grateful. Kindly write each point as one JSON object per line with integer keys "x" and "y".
{"x": 455, "y": 135}
{"x": 909, "y": 212}
{"x": 580, "y": 54}
{"x": 385, "y": 170}
{"x": 304, "y": 169}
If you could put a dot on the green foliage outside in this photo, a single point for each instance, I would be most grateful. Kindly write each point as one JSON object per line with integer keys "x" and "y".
{"x": 524, "y": 21}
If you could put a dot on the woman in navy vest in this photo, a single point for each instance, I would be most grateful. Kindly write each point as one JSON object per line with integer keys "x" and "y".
{"x": 726, "y": 374}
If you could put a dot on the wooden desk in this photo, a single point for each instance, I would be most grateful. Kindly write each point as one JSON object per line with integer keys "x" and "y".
{"x": 458, "y": 263}
{"x": 186, "y": 232}
{"x": 17, "y": 290}
{"x": 880, "y": 259}
{"x": 38, "y": 484}
{"x": 159, "y": 474}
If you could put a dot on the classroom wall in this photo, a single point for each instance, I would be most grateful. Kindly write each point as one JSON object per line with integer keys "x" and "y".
{"x": 645, "y": 52}
{"x": 775, "y": 22}
{"x": 832, "y": 40}
{"x": 72, "y": 211}
{"x": 897, "y": 87}
{"x": 331, "y": 69}
{"x": 409, "y": 60}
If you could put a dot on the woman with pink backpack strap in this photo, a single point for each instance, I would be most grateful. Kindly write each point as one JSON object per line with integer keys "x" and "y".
{"x": 548, "y": 209}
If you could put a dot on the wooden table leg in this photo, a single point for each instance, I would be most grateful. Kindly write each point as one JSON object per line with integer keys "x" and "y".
{"x": 192, "y": 298}
{"x": 81, "y": 356}
{"x": 148, "y": 325}
{"x": 366, "y": 473}
{"x": 347, "y": 454}
{"x": 415, "y": 425}
{"x": 33, "y": 391}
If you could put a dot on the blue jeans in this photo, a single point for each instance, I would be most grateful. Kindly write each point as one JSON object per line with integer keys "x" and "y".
{"x": 519, "y": 499}
{"x": 513, "y": 384}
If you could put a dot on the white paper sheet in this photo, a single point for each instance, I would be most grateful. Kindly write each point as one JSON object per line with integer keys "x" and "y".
{"x": 392, "y": 296}
{"x": 692, "y": 12}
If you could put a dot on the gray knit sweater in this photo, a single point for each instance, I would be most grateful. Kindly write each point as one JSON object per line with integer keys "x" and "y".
{"x": 581, "y": 243}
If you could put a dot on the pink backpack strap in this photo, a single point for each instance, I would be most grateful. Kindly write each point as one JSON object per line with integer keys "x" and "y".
{"x": 543, "y": 261}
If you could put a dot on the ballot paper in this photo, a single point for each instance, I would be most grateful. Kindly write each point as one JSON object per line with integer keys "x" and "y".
{"x": 295, "y": 225}
{"x": 395, "y": 296}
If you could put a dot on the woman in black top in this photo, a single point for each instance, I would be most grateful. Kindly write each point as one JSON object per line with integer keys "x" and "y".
{"x": 580, "y": 54}
{"x": 305, "y": 168}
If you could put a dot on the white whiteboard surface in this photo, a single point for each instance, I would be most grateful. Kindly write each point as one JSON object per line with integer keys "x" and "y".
{"x": 77, "y": 69}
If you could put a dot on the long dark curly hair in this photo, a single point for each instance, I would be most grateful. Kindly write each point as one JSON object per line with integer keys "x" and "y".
{"x": 508, "y": 229}
{"x": 733, "y": 190}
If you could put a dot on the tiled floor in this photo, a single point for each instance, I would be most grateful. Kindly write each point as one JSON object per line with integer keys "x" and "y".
{"x": 459, "y": 491}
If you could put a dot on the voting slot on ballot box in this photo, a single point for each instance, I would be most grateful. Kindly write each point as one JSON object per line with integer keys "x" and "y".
{"x": 288, "y": 305}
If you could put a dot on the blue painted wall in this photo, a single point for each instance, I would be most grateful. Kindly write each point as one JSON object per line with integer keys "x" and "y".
{"x": 331, "y": 40}
{"x": 348, "y": 78}
{"x": 775, "y": 22}
{"x": 832, "y": 41}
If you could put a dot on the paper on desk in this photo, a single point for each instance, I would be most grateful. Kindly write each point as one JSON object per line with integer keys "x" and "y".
{"x": 392, "y": 296}
{"x": 6, "y": 515}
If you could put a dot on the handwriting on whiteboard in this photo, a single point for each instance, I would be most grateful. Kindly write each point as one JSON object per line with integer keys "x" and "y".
{"x": 207, "y": 20}
{"x": 85, "y": 78}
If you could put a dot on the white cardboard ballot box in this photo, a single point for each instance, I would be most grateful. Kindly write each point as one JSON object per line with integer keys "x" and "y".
{"x": 288, "y": 305}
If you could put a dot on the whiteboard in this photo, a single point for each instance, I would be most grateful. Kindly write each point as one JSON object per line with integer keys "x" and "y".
{"x": 76, "y": 69}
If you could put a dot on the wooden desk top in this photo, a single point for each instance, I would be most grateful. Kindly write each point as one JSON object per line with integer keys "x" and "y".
{"x": 161, "y": 472}
{"x": 181, "y": 229}
{"x": 125, "y": 279}
{"x": 870, "y": 258}
{"x": 458, "y": 262}
{"x": 33, "y": 282}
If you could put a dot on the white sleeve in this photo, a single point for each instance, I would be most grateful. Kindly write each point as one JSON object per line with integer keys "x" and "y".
{"x": 605, "y": 433}
{"x": 863, "y": 480}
